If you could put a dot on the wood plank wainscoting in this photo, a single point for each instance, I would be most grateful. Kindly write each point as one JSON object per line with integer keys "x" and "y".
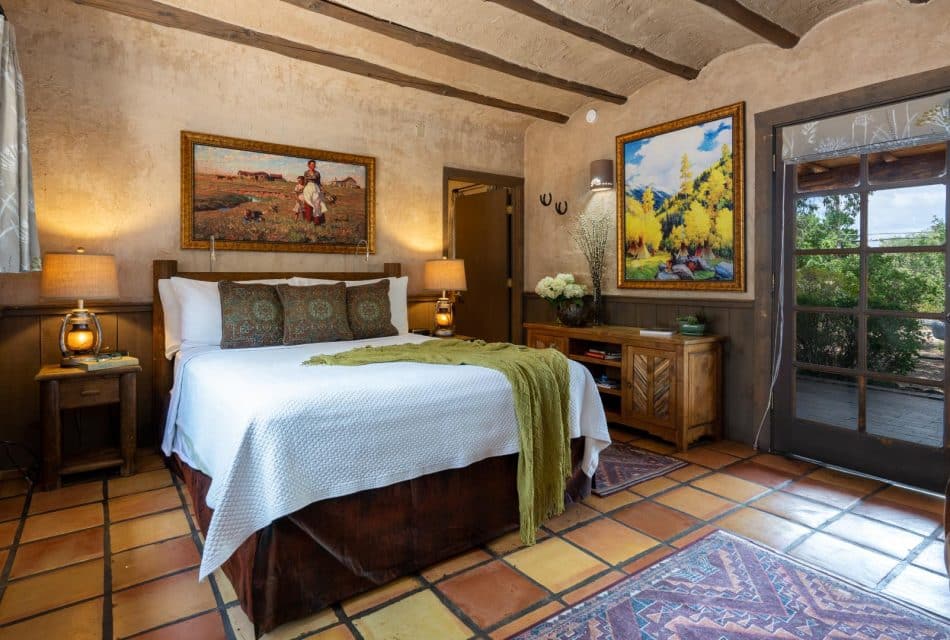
{"x": 730, "y": 318}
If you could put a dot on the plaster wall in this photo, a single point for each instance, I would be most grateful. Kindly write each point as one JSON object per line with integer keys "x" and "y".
{"x": 107, "y": 97}
{"x": 870, "y": 43}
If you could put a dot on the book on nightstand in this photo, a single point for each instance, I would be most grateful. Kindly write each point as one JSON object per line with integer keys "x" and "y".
{"x": 109, "y": 363}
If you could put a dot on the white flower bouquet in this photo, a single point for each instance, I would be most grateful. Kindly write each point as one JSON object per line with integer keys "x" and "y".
{"x": 560, "y": 288}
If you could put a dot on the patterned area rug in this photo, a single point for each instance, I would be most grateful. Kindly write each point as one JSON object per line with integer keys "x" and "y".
{"x": 623, "y": 465}
{"x": 726, "y": 587}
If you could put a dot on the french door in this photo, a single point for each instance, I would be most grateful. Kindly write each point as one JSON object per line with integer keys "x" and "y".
{"x": 864, "y": 339}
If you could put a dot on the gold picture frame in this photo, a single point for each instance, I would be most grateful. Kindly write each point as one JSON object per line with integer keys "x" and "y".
{"x": 260, "y": 196}
{"x": 681, "y": 203}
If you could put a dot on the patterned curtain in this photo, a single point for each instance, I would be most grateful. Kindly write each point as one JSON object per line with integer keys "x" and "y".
{"x": 903, "y": 124}
{"x": 19, "y": 241}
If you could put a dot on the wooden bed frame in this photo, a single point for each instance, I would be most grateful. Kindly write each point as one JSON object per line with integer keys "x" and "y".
{"x": 337, "y": 548}
{"x": 162, "y": 368}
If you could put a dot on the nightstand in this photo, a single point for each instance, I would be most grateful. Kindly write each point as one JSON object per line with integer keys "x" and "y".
{"x": 73, "y": 388}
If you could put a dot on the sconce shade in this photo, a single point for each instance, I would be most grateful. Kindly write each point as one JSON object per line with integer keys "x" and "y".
{"x": 601, "y": 174}
{"x": 79, "y": 276}
{"x": 444, "y": 275}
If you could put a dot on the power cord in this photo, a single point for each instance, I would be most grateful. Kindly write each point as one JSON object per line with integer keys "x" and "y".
{"x": 28, "y": 472}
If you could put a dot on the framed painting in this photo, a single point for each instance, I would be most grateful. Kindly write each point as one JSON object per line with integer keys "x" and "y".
{"x": 257, "y": 196}
{"x": 680, "y": 196}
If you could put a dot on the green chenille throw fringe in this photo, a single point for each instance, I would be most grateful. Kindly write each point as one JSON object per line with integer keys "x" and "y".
{"x": 540, "y": 382}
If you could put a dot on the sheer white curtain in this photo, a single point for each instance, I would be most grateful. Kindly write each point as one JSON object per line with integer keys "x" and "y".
{"x": 19, "y": 241}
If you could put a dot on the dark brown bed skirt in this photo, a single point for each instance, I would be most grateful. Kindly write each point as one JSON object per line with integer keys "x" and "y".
{"x": 337, "y": 548}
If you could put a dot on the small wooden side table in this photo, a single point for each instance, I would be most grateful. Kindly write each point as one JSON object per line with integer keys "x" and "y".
{"x": 73, "y": 388}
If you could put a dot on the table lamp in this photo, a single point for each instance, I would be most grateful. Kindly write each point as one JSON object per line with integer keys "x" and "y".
{"x": 448, "y": 276}
{"x": 79, "y": 276}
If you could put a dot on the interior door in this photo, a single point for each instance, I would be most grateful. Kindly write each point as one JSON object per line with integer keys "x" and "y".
{"x": 483, "y": 240}
{"x": 864, "y": 253}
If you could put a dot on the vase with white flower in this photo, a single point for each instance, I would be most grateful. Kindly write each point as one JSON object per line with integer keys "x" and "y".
{"x": 566, "y": 296}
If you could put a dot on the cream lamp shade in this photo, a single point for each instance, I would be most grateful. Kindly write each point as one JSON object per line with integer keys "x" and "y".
{"x": 444, "y": 275}
{"x": 79, "y": 276}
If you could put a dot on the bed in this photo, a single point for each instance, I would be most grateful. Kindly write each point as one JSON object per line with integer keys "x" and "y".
{"x": 313, "y": 484}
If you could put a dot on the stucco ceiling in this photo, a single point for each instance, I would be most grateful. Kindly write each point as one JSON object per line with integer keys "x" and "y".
{"x": 686, "y": 33}
{"x": 683, "y": 31}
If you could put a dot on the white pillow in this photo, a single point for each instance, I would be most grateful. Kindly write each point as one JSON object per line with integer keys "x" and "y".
{"x": 398, "y": 296}
{"x": 200, "y": 305}
{"x": 172, "y": 311}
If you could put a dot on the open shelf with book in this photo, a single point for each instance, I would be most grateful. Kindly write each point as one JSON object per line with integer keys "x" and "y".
{"x": 667, "y": 385}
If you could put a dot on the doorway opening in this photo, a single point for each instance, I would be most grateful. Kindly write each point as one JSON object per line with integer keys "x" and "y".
{"x": 483, "y": 224}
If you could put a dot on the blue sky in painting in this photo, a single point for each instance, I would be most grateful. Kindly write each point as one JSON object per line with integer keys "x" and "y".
{"x": 656, "y": 161}
{"x": 229, "y": 161}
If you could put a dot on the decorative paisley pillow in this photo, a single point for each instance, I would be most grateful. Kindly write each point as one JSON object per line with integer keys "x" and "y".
{"x": 251, "y": 315}
{"x": 367, "y": 307}
{"x": 314, "y": 314}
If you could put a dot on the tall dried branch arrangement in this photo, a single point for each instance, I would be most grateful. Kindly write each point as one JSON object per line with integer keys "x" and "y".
{"x": 591, "y": 234}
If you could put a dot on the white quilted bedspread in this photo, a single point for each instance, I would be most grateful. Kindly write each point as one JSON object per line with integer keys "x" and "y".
{"x": 275, "y": 435}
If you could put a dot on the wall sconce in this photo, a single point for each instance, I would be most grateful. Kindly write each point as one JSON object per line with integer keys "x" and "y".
{"x": 601, "y": 175}
{"x": 79, "y": 276}
{"x": 448, "y": 276}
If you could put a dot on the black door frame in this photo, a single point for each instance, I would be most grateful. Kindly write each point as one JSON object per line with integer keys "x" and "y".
{"x": 768, "y": 206}
{"x": 516, "y": 184}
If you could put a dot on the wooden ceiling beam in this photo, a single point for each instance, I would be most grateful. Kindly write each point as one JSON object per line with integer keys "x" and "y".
{"x": 553, "y": 19}
{"x": 176, "y": 18}
{"x": 754, "y": 22}
{"x": 452, "y": 49}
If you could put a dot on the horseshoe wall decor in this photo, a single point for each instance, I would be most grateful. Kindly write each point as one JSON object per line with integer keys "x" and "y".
{"x": 561, "y": 207}
{"x": 545, "y": 199}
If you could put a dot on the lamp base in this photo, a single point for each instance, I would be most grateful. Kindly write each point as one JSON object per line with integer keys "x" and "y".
{"x": 444, "y": 332}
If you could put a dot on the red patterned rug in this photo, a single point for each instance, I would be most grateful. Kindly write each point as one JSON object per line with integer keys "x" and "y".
{"x": 726, "y": 587}
{"x": 623, "y": 465}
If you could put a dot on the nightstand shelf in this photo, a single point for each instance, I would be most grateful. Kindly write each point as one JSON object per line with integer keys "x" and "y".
{"x": 73, "y": 388}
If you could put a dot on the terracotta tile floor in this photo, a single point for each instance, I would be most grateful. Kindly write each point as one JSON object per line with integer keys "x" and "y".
{"x": 117, "y": 558}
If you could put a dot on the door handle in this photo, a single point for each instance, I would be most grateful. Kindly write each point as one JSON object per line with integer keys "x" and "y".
{"x": 89, "y": 392}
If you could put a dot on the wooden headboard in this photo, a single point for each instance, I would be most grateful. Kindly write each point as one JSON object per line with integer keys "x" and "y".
{"x": 162, "y": 368}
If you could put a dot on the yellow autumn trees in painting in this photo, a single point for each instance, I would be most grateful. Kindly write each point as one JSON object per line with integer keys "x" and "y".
{"x": 695, "y": 224}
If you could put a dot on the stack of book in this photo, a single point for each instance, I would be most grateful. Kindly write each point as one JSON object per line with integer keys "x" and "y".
{"x": 602, "y": 354}
{"x": 108, "y": 362}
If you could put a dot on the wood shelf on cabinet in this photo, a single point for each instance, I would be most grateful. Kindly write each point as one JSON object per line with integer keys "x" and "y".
{"x": 590, "y": 360}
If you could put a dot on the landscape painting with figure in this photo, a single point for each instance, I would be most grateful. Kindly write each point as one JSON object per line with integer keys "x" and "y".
{"x": 262, "y": 197}
{"x": 680, "y": 204}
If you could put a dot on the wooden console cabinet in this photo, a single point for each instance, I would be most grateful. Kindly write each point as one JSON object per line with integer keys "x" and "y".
{"x": 670, "y": 387}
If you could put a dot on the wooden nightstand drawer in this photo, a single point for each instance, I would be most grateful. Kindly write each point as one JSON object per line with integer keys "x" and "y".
{"x": 88, "y": 392}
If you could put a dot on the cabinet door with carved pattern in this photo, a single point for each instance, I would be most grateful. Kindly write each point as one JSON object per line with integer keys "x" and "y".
{"x": 649, "y": 385}
{"x": 547, "y": 341}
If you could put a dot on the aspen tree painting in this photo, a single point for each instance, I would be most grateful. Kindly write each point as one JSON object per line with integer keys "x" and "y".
{"x": 680, "y": 204}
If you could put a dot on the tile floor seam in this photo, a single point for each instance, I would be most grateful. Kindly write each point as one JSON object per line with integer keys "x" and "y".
{"x": 166, "y": 624}
{"x": 11, "y": 553}
{"x": 108, "y": 624}
{"x": 221, "y": 607}
{"x": 145, "y": 515}
{"x": 40, "y": 614}
{"x": 904, "y": 563}
{"x": 337, "y": 608}
{"x": 451, "y": 606}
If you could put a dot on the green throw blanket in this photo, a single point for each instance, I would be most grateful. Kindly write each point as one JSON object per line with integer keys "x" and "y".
{"x": 540, "y": 382}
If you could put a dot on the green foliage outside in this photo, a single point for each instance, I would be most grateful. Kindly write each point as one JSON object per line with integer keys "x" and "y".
{"x": 896, "y": 281}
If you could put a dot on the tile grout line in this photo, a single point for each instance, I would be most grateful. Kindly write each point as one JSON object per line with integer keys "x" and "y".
{"x": 221, "y": 607}
{"x": 108, "y": 624}
{"x": 15, "y": 545}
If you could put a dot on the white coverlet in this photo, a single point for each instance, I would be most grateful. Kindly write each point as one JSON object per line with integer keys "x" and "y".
{"x": 275, "y": 435}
